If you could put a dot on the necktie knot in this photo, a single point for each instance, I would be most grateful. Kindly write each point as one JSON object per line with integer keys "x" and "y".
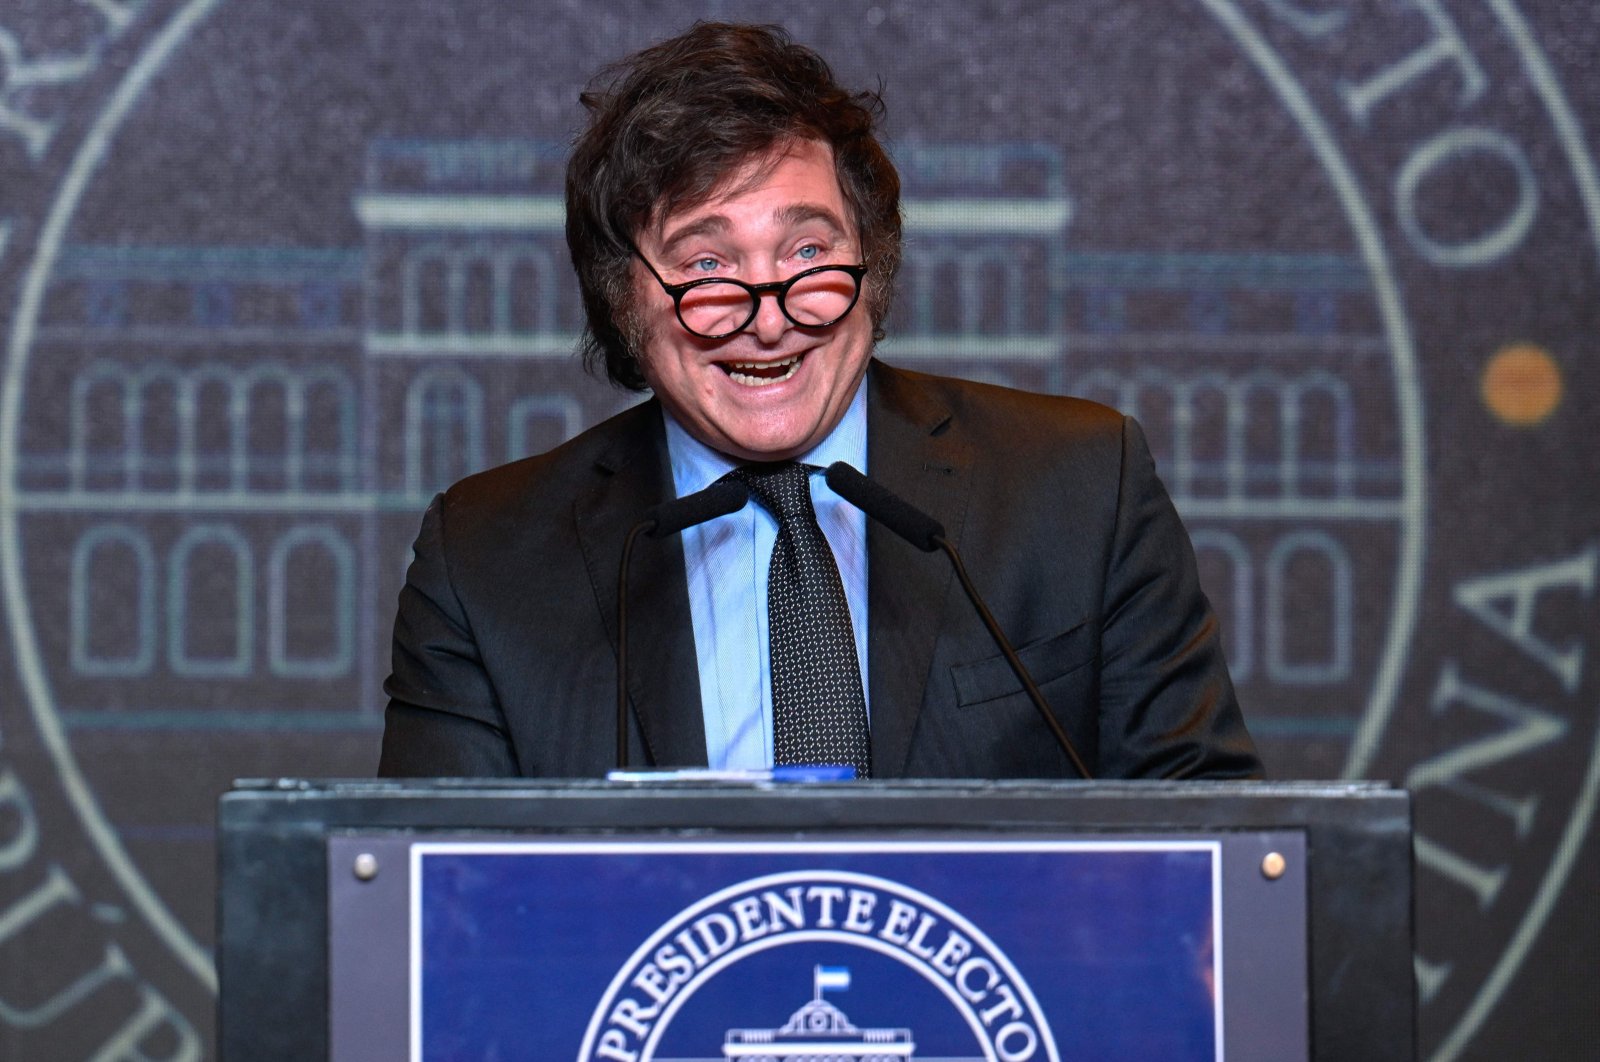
{"x": 783, "y": 489}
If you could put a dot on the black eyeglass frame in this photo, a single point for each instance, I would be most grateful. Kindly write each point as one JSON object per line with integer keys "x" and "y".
{"x": 777, "y": 288}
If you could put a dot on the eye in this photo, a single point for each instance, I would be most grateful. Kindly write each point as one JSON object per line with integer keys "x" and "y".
{"x": 808, "y": 252}
{"x": 705, "y": 265}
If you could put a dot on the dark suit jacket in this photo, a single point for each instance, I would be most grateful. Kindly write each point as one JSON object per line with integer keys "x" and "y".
{"x": 504, "y": 646}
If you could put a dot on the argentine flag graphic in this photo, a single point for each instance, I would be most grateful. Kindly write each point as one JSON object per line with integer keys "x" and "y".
{"x": 831, "y": 978}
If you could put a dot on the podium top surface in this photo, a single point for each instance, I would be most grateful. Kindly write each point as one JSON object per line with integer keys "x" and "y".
{"x": 521, "y": 804}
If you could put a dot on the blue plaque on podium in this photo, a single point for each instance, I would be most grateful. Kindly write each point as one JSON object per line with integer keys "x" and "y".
{"x": 700, "y": 951}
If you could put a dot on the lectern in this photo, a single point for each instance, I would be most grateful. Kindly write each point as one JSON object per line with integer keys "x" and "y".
{"x": 703, "y": 921}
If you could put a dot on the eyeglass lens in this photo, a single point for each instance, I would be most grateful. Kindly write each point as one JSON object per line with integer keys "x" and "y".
{"x": 719, "y": 308}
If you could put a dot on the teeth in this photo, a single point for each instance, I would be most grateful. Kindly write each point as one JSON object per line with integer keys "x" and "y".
{"x": 763, "y": 364}
{"x": 789, "y": 366}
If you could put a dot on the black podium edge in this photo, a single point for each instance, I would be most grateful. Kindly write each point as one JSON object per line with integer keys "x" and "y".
{"x": 273, "y": 933}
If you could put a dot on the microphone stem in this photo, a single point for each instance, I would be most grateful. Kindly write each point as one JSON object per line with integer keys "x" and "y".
{"x": 622, "y": 641}
{"x": 1011, "y": 657}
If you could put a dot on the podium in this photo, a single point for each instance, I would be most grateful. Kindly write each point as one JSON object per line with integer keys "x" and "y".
{"x": 696, "y": 920}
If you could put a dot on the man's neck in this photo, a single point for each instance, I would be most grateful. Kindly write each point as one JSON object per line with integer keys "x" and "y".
{"x": 696, "y": 466}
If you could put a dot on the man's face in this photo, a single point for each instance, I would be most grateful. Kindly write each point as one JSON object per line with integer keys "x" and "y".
{"x": 774, "y": 390}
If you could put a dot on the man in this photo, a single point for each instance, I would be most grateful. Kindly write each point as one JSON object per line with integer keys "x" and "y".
{"x": 735, "y": 228}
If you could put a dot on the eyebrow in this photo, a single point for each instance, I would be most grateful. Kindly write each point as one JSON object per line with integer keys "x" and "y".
{"x": 800, "y": 213}
{"x": 793, "y": 214}
{"x": 711, "y": 223}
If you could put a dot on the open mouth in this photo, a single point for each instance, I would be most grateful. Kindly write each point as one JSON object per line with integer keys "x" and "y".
{"x": 760, "y": 373}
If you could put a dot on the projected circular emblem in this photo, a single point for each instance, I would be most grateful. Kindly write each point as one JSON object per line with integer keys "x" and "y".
{"x": 267, "y": 287}
{"x": 1502, "y": 758}
{"x": 910, "y": 960}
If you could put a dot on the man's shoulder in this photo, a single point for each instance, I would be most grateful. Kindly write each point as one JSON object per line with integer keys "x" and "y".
{"x": 1022, "y": 418}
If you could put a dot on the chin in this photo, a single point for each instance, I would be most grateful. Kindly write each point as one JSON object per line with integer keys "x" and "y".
{"x": 770, "y": 445}
{"x": 764, "y": 452}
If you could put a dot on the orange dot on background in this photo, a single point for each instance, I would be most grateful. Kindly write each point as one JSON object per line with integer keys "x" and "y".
{"x": 1522, "y": 384}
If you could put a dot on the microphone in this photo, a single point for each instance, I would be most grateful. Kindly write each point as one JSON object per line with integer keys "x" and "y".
{"x": 661, "y": 521}
{"x": 884, "y": 506}
{"x": 670, "y": 517}
{"x": 927, "y": 534}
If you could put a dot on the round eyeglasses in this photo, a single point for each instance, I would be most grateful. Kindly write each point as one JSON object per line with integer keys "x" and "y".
{"x": 719, "y": 307}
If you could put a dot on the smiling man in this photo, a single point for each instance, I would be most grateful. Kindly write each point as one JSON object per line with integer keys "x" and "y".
{"x": 735, "y": 227}
{"x": 771, "y": 386}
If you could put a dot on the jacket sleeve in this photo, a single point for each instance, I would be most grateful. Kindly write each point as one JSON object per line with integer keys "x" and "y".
{"x": 1167, "y": 705}
{"x": 444, "y": 718}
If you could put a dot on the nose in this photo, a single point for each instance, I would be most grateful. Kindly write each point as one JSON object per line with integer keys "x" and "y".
{"x": 770, "y": 324}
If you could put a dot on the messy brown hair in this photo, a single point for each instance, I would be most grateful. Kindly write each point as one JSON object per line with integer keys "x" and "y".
{"x": 668, "y": 125}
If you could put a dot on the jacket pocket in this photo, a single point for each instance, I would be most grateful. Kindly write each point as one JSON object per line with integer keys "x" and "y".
{"x": 1047, "y": 660}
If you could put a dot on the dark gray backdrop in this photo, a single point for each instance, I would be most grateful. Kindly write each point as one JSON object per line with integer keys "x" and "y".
{"x": 272, "y": 273}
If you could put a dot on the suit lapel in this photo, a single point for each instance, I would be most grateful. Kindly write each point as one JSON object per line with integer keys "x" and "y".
{"x": 909, "y": 450}
{"x": 663, "y": 673}
{"x": 912, "y": 451}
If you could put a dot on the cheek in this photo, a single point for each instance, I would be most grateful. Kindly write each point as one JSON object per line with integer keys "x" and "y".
{"x": 635, "y": 326}
{"x": 642, "y": 313}
{"x": 860, "y": 342}
{"x": 877, "y": 292}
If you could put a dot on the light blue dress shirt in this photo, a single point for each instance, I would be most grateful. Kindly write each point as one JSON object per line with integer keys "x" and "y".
{"x": 726, "y": 563}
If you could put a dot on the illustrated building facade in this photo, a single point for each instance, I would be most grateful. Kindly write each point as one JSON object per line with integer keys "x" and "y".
{"x": 818, "y": 1032}
{"x": 243, "y": 439}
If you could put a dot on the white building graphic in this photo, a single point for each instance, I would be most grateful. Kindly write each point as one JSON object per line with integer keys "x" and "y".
{"x": 819, "y": 1032}
{"x": 242, "y": 439}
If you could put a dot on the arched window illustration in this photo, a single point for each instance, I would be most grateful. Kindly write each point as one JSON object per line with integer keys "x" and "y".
{"x": 157, "y": 415}
{"x": 1156, "y": 399}
{"x": 926, "y": 306}
{"x": 1309, "y": 610}
{"x": 444, "y": 429}
{"x": 478, "y": 283}
{"x": 1203, "y": 436}
{"x": 432, "y": 297}
{"x": 1256, "y": 436}
{"x": 962, "y": 289}
{"x": 1228, "y": 577}
{"x": 220, "y": 460}
{"x": 211, "y": 604}
{"x": 539, "y": 422}
{"x": 101, "y": 428}
{"x": 327, "y": 434}
{"x": 994, "y": 292}
{"x": 113, "y": 603}
{"x": 1320, "y": 435}
{"x": 126, "y": 428}
{"x": 311, "y": 591}
{"x": 530, "y": 292}
{"x": 272, "y": 418}
{"x": 939, "y": 296}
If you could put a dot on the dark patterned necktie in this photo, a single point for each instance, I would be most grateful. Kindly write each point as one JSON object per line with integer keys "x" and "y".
{"x": 819, "y": 714}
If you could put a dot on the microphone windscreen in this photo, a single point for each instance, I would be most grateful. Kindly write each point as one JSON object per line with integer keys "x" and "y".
{"x": 884, "y": 506}
{"x": 719, "y": 499}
